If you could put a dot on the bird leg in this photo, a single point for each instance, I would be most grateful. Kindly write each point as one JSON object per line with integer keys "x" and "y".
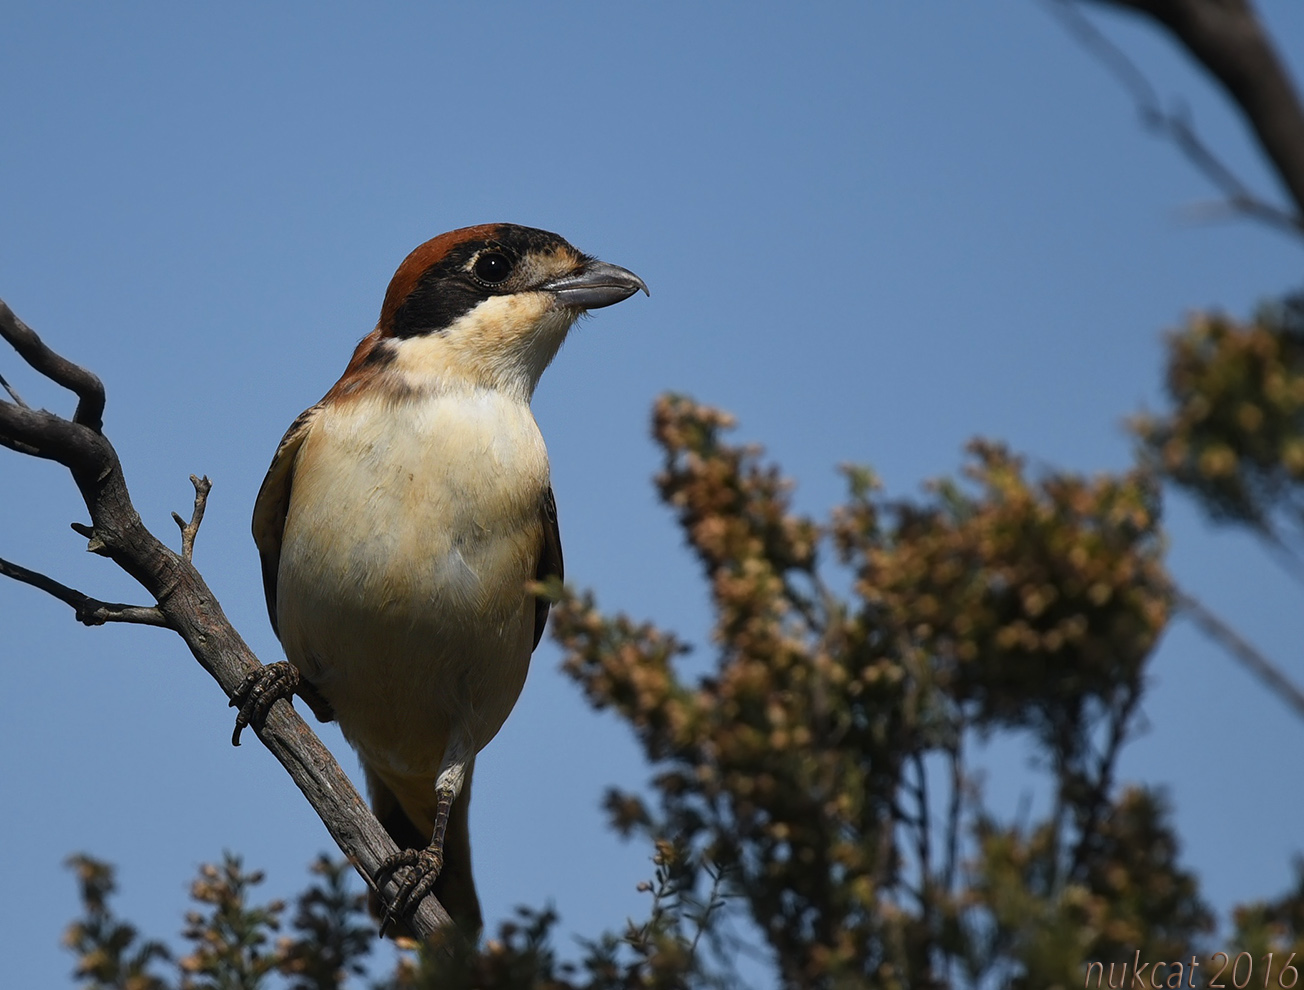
{"x": 423, "y": 866}
{"x": 262, "y": 689}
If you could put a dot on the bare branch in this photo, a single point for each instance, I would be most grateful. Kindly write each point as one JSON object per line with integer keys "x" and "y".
{"x": 923, "y": 838}
{"x": 1242, "y": 651}
{"x": 955, "y": 758}
{"x": 43, "y": 434}
{"x": 1102, "y": 785}
{"x": 189, "y": 529}
{"x": 1111, "y": 56}
{"x": 1225, "y": 36}
{"x": 90, "y": 611}
{"x": 87, "y": 387}
{"x": 1175, "y": 125}
{"x": 185, "y": 602}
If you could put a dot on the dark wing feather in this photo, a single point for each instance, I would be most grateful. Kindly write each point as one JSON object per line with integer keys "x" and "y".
{"x": 273, "y": 503}
{"x": 550, "y": 563}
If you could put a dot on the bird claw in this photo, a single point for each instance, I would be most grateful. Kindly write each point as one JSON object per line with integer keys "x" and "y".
{"x": 423, "y": 867}
{"x": 259, "y": 691}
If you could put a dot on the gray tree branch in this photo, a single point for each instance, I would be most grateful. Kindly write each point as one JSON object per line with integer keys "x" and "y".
{"x": 184, "y": 602}
{"x": 1242, "y": 650}
{"x": 90, "y": 611}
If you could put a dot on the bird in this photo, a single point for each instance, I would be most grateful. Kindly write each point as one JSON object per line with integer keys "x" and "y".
{"x": 402, "y": 523}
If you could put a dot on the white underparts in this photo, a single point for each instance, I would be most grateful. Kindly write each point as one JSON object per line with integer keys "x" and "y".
{"x": 413, "y": 528}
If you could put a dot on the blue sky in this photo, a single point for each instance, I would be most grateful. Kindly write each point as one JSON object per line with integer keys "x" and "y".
{"x": 871, "y": 231}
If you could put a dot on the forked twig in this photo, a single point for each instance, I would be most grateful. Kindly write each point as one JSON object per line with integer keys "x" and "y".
{"x": 189, "y": 529}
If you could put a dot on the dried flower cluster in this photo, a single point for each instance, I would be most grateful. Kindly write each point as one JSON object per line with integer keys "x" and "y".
{"x": 233, "y": 943}
{"x": 821, "y": 776}
{"x": 800, "y": 765}
{"x": 1235, "y": 436}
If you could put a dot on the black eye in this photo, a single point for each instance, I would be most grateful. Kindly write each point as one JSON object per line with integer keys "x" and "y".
{"x": 492, "y": 267}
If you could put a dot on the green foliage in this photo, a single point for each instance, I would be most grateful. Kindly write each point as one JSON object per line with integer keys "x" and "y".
{"x": 1235, "y": 437}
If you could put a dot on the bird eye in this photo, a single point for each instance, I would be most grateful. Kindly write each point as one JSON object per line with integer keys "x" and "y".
{"x": 492, "y": 267}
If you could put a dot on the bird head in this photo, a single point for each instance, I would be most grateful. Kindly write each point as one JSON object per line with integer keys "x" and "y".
{"x": 488, "y": 306}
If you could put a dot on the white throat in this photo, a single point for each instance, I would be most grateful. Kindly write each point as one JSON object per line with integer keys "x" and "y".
{"x": 505, "y": 344}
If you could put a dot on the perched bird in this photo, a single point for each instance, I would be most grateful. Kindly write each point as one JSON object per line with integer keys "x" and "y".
{"x": 402, "y": 520}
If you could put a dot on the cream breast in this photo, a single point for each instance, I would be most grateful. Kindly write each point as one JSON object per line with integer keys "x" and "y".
{"x": 413, "y": 529}
{"x": 423, "y": 498}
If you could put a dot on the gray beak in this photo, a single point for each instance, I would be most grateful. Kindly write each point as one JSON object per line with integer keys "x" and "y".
{"x": 595, "y": 285}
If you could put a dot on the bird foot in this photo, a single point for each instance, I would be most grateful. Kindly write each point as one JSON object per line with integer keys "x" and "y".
{"x": 422, "y": 868}
{"x": 259, "y": 691}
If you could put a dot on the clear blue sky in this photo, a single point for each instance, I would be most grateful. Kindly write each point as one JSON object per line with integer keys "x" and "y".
{"x": 871, "y": 230}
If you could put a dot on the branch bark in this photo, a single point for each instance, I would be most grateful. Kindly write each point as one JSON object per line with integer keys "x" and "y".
{"x": 1226, "y": 37}
{"x": 184, "y": 602}
{"x": 90, "y": 611}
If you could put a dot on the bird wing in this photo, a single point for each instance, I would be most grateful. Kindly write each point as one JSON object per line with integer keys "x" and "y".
{"x": 550, "y": 563}
{"x": 273, "y": 503}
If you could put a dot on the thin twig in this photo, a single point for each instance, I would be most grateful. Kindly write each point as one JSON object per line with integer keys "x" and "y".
{"x": 1176, "y": 125}
{"x": 924, "y": 845}
{"x": 713, "y": 903}
{"x": 190, "y": 529}
{"x": 90, "y": 611}
{"x": 1241, "y": 650}
{"x": 1229, "y": 41}
{"x": 1280, "y": 551}
{"x": 1114, "y": 59}
{"x": 954, "y": 752}
{"x": 923, "y": 841}
{"x": 13, "y": 394}
{"x": 1103, "y": 783}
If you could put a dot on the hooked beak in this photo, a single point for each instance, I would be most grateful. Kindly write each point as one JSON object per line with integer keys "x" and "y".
{"x": 595, "y": 285}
